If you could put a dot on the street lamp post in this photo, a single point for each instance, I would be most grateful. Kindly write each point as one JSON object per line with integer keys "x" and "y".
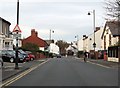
{"x": 77, "y": 40}
{"x": 94, "y": 44}
{"x": 84, "y": 42}
{"x": 51, "y": 31}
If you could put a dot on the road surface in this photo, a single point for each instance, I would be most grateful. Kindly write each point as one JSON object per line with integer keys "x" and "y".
{"x": 68, "y": 72}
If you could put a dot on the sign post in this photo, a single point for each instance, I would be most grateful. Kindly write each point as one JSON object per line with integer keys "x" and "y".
{"x": 16, "y": 35}
{"x": 17, "y": 30}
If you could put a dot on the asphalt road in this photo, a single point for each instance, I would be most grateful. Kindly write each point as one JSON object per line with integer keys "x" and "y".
{"x": 69, "y": 72}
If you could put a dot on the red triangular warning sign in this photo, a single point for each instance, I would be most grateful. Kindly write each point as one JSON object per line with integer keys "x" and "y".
{"x": 16, "y": 29}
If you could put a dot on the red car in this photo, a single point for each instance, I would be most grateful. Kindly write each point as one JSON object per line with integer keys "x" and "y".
{"x": 30, "y": 55}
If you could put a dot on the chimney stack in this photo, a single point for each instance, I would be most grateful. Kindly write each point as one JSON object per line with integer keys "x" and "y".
{"x": 34, "y": 33}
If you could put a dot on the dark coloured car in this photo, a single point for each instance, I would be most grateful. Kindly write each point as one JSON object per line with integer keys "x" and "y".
{"x": 10, "y": 56}
{"x": 25, "y": 55}
{"x": 58, "y": 56}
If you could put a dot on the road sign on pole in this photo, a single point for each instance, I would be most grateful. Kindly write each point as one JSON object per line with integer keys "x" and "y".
{"x": 17, "y": 29}
{"x": 15, "y": 35}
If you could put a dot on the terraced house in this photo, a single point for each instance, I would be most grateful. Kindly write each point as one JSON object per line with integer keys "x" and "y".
{"x": 6, "y": 41}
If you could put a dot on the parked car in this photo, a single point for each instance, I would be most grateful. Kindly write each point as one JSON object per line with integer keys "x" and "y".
{"x": 25, "y": 55}
{"x": 10, "y": 56}
{"x": 30, "y": 55}
{"x": 20, "y": 57}
{"x": 58, "y": 56}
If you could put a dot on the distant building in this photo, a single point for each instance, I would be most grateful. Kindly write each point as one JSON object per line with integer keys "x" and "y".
{"x": 53, "y": 48}
{"x": 6, "y": 41}
{"x": 80, "y": 44}
{"x": 86, "y": 43}
{"x": 35, "y": 40}
{"x": 71, "y": 50}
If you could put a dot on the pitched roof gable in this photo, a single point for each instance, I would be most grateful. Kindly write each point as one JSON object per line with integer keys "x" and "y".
{"x": 114, "y": 27}
{"x": 5, "y": 21}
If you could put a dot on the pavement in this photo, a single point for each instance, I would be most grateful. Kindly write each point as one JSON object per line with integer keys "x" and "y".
{"x": 102, "y": 62}
{"x": 9, "y": 71}
{"x": 105, "y": 63}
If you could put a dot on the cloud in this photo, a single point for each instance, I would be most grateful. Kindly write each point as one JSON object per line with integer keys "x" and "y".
{"x": 66, "y": 17}
{"x": 52, "y": 0}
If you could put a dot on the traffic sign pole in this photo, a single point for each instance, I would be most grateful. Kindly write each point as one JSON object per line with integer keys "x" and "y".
{"x": 16, "y": 60}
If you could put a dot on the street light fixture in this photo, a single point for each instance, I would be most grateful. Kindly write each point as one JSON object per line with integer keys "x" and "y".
{"x": 89, "y": 13}
{"x": 51, "y": 31}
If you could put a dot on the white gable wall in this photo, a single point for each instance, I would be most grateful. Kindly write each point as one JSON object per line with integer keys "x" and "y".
{"x": 114, "y": 40}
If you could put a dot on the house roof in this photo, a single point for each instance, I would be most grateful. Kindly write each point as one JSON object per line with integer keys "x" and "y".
{"x": 71, "y": 48}
{"x": 35, "y": 39}
{"x": 40, "y": 42}
{"x": 114, "y": 27}
{"x": 5, "y": 21}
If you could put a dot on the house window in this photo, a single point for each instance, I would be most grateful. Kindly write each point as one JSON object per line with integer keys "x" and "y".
{"x": 11, "y": 43}
{"x": 109, "y": 39}
{"x": 115, "y": 54}
{"x": 6, "y": 44}
{"x": 110, "y": 53}
{"x": 113, "y": 51}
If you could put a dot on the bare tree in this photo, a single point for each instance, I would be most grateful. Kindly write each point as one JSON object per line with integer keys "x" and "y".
{"x": 62, "y": 45}
{"x": 113, "y": 9}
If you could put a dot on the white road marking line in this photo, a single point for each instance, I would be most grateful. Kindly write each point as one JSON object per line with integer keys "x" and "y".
{"x": 22, "y": 74}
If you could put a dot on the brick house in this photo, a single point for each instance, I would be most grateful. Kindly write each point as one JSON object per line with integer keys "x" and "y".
{"x": 33, "y": 38}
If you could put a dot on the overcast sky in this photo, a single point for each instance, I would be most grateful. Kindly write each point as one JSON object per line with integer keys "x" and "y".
{"x": 67, "y": 18}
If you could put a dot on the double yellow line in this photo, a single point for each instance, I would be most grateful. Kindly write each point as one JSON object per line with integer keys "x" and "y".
{"x": 7, "y": 83}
